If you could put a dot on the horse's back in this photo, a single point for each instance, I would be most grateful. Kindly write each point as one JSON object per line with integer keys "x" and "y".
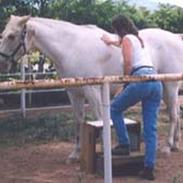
{"x": 165, "y": 49}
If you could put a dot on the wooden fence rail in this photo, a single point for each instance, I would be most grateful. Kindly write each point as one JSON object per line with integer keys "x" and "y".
{"x": 79, "y": 81}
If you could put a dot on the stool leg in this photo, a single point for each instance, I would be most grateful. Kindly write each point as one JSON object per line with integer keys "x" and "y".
{"x": 88, "y": 149}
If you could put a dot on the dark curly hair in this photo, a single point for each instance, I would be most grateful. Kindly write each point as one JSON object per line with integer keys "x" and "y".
{"x": 124, "y": 25}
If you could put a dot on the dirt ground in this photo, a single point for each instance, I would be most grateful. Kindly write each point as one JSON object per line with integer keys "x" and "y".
{"x": 46, "y": 163}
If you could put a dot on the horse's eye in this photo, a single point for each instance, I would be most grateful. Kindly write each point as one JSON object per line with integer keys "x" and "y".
{"x": 11, "y": 37}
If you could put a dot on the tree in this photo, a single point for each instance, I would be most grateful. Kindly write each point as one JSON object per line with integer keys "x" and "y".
{"x": 99, "y": 12}
{"x": 17, "y": 7}
{"x": 169, "y": 18}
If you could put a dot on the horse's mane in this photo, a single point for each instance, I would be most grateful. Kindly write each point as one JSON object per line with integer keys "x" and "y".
{"x": 53, "y": 22}
{"x": 49, "y": 21}
{"x": 90, "y": 26}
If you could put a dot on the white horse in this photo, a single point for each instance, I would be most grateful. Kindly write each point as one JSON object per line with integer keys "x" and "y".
{"x": 78, "y": 51}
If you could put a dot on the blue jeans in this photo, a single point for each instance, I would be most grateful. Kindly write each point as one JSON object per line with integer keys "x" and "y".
{"x": 150, "y": 94}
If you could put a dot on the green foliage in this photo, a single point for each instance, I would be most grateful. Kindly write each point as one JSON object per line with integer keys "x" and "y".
{"x": 80, "y": 12}
{"x": 102, "y": 12}
{"x": 169, "y": 18}
{"x": 22, "y": 7}
{"x": 99, "y": 12}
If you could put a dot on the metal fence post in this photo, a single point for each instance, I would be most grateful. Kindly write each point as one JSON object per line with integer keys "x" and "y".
{"x": 106, "y": 133}
{"x": 23, "y": 91}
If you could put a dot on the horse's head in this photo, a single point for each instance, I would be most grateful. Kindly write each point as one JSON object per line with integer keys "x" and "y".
{"x": 12, "y": 43}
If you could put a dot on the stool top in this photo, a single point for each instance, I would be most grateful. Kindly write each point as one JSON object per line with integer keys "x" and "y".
{"x": 99, "y": 123}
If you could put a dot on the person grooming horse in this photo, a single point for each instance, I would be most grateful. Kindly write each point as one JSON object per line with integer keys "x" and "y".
{"x": 136, "y": 62}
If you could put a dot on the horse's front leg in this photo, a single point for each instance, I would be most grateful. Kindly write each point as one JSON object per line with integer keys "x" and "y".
{"x": 93, "y": 96}
{"x": 77, "y": 100}
{"x": 172, "y": 102}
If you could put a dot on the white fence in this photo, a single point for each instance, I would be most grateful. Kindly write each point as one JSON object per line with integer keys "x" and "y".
{"x": 27, "y": 76}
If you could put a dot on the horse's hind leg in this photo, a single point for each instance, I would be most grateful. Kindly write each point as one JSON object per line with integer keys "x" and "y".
{"x": 171, "y": 90}
{"x": 77, "y": 100}
{"x": 177, "y": 135}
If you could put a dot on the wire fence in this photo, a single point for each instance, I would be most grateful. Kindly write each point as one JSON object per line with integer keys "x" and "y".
{"x": 70, "y": 82}
{"x": 23, "y": 98}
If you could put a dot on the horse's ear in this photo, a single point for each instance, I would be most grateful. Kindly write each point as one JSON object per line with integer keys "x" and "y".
{"x": 24, "y": 20}
{"x": 12, "y": 16}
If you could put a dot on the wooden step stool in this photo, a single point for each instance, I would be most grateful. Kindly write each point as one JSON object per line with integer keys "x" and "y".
{"x": 89, "y": 156}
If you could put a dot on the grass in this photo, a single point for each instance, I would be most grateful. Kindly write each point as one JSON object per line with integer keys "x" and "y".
{"x": 17, "y": 131}
{"x": 44, "y": 128}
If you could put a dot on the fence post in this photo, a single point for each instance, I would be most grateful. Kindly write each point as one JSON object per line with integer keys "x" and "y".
{"x": 106, "y": 133}
{"x": 23, "y": 91}
{"x": 30, "y": 78}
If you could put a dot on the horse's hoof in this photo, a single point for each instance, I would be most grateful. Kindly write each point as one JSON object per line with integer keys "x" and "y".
{"x": 70, "y": 161}
{"x": 180, "y": 149}
{"x": 175, "y": 149}
{"x": 166, "y": 150}
{"x": 73, "y": 158}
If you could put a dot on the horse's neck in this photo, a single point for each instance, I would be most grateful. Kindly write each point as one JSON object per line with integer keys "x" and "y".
{"x": 52, "y": 37}
{"x": 51, "y": 31}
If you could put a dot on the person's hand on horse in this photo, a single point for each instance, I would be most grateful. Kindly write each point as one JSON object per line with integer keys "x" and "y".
{"x": 106, "y": 39}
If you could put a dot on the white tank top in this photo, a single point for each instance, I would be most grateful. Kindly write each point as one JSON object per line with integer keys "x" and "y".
{"x": 140, "y": 57}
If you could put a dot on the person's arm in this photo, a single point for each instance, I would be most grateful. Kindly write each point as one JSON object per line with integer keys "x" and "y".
{"x": 109, "y": 41}
{"x": 127, "y": 55}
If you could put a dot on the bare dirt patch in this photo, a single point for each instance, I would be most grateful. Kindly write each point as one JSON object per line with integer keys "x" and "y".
{"x": 46, "y": 163}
